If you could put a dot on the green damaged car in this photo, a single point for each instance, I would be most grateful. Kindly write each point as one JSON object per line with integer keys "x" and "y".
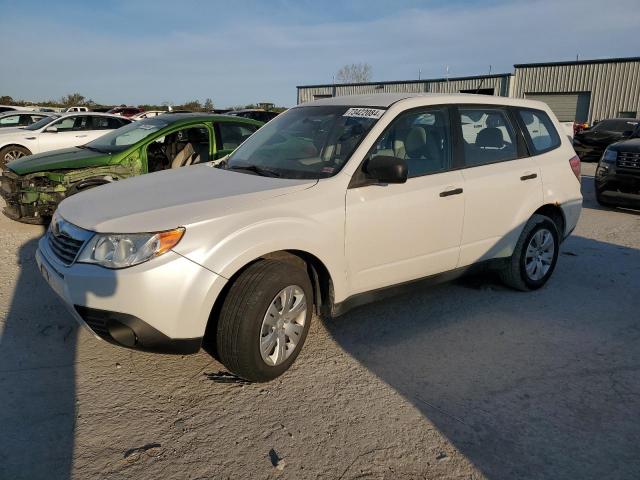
{"x": 33, "y": 186}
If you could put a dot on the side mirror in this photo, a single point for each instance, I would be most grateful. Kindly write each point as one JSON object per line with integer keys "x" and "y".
{"x": 386, "y": 169}
{"x": 52, "y": 130}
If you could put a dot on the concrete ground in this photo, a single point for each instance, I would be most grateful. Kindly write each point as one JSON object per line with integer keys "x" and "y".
{"x": 466, "y": 380}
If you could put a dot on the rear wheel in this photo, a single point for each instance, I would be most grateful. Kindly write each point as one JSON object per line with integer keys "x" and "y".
{"x": 535, "y": 255}
{"x": 264, "y": 320}
{"x": 12, "y": 152}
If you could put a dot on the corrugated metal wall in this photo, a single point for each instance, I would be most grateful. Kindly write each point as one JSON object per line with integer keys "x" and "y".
{"x": 614, "y": 86}
{"x": 500, "y": 84}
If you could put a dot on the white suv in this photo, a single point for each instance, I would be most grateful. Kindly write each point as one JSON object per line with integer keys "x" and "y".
{"x": 332, "y": 204}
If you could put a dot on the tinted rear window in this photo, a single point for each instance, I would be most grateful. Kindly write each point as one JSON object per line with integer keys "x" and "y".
{"x": 616, "y": 125}
{"x": 542, "y": 135}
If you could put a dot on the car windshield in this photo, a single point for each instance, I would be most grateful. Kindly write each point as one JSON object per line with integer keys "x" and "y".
{"x": 122, "y": 138}
{"x": 616, "y": 125}
{"x": 42, "y": 122}
{"x": 305, "y": 142}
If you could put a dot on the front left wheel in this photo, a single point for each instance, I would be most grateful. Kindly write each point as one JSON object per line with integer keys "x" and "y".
{"x": 11, "y": 153}
{"x": 264, "y": 320}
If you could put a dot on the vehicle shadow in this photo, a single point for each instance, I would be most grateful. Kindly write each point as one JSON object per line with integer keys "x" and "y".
{"x": 37, "y": 379}
{"x": 38, "y": 343}
{"x": 544, "y": 384}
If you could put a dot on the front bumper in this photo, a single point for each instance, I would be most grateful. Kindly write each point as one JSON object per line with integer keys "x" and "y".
{"x": 618, "y": 186}
{"x": 28, "y": 205}
{"x": 162, "y": 305}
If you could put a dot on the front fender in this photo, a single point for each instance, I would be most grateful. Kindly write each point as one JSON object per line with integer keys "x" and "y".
{"x": 227, "y": 253}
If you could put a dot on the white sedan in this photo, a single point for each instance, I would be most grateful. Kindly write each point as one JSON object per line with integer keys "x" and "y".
{"x": 55, "y": 132}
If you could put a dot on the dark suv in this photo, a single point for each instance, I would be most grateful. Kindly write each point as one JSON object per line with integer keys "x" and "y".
{"x": 618, "y": 174}
{"x": 590, "y": 143}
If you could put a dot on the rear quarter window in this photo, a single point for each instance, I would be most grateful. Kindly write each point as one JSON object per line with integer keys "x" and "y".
{"x": 540, "y": 131}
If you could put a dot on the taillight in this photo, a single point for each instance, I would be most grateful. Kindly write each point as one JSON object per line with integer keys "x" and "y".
{"x": 575, "y": 166}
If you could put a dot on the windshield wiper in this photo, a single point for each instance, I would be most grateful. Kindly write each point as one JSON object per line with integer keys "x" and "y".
{"x": 264, "y": 172}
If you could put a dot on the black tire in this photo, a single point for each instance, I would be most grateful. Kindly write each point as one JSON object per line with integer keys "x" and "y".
{"x": 7, "y": 150}
{"x": 244, "y": 308}
{"x": 514, "y": 273}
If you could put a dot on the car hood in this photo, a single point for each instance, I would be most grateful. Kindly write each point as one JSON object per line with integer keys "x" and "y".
{"x": 59, "y": 159}
{"x": 172, "y": 198}
{"x": 631, "y": 145}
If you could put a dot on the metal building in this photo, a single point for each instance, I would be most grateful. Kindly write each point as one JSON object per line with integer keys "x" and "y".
{"x": 497, "y": 84}
{"x": 582, "y": 91}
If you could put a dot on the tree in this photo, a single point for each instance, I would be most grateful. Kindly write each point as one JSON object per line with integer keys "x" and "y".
{"x": 354, "y": 73}
{"x": 208, "y": 105}
{"x": 73, "y": 99}
{"x": 193, "y": 105}
{"x": 6, "y": 100}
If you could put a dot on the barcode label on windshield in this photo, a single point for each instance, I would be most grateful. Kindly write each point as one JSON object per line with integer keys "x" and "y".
{"x": 360, "y": 112}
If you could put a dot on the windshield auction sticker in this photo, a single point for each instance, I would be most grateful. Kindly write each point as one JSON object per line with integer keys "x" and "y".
{"x": 360, "y": 112}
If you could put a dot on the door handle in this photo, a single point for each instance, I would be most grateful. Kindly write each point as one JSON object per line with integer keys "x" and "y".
{"x": 80, "y": 136}
{"x": 448, "y": 193}
{"x": 30, "y": 138}
{"x": 529, "y": 176}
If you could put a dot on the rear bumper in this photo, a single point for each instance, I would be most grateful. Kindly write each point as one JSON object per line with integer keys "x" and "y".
{"x": 571, "y": 210}
{"x": 162, "y": 305}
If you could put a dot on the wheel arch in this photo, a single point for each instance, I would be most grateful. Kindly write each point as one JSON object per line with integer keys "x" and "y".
{"x": 321, "y": 282}
{"x": 555, "y": 213}
{"x": 16, "y": 145}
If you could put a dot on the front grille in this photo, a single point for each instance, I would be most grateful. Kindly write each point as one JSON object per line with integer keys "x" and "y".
{"x": 65, "y": 239}
{"x": 629, "y": 160}
{"x": 65, "y": 248}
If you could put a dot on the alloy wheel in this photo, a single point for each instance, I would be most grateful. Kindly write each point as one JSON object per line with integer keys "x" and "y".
{"x": 539, "y": 255}
{"x": 283, "y": 325}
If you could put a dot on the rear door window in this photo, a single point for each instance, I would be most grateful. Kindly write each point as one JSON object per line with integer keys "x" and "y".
{"x": 105, "y": 123}
{"x": 542, "y": 135}
{"x": 488, "y": 135}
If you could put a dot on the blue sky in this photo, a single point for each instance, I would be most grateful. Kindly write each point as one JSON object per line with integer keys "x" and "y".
{"x": 244, "y": 51}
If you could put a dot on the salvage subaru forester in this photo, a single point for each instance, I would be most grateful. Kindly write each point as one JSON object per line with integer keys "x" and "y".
{"x": 331, "y": 204}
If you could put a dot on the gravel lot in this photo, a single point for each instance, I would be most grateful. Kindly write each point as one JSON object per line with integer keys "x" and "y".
{"x": 466, "y": 380}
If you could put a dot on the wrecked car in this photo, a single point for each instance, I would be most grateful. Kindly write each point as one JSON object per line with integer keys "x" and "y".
{"x": 33, "y": 186}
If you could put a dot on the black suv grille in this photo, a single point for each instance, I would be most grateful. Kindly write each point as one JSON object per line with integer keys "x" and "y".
{"x": 629, "y": 160}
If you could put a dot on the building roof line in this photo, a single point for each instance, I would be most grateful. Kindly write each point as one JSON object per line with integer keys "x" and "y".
{"x": 392, "y": 82}
{"x": 578, "y": 62}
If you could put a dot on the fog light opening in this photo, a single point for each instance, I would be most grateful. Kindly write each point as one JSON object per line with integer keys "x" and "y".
{"x": 122, "y": 334}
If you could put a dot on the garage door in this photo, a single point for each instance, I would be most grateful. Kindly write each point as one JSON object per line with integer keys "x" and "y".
{"x": 568, "y": 107}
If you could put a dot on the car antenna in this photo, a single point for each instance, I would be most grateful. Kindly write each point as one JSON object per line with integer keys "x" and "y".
{"x": 482, "y": 81}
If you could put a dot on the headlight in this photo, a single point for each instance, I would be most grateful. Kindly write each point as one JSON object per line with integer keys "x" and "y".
{"x": 121, "y": 250}
{"x": 609, "y": 156}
